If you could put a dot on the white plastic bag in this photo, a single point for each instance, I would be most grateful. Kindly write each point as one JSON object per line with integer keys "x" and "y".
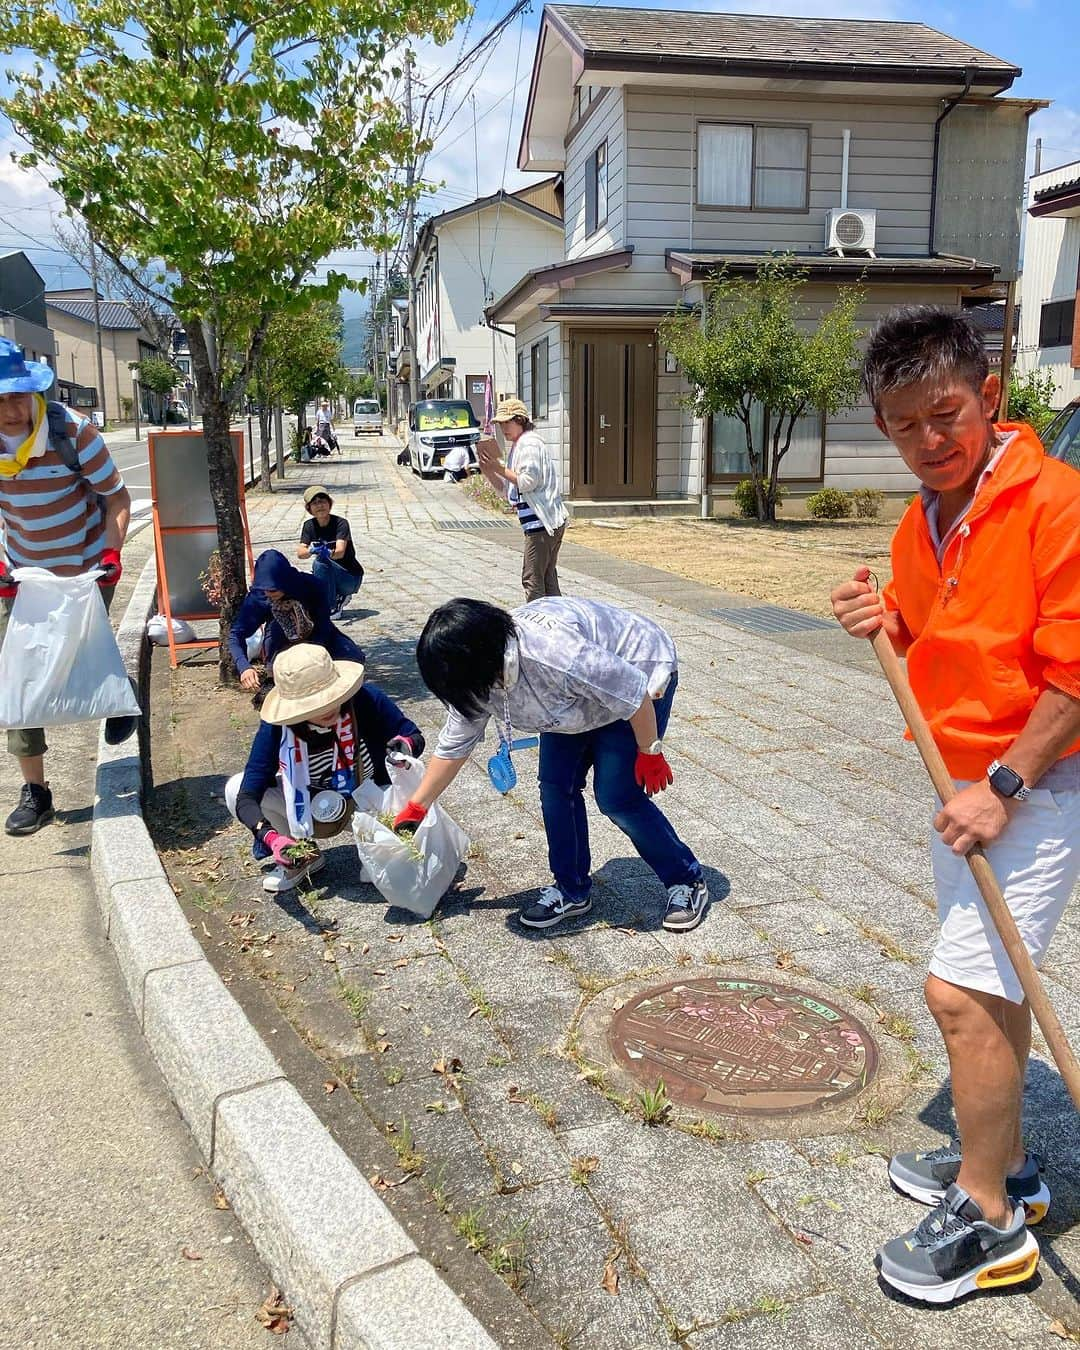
{"x": 60, "y": 662}
{"x": 390, "y": 863}
{"x": 254, "y": 644}
{"x": 157, "y": 630}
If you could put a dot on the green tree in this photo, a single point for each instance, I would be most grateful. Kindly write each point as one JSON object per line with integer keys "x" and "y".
{"x": 205, "y": 141}
{"x": 1031, "y": 399}
{"x": 159, "y": 377}
{"x": 756, "y": 344}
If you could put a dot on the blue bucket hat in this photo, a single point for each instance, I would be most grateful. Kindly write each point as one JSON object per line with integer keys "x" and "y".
{"x": 20, "y": 376}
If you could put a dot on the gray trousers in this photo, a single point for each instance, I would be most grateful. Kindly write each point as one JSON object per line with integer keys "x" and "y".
{"x": 272, "y": 804}
{"x": 539, "y": 575}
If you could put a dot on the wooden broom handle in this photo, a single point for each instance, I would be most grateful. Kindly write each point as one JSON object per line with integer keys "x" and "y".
{"x": 981, "y": 870}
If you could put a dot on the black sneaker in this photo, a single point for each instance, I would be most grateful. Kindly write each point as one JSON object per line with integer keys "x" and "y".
{"x": 35, "y": 809}
{"x": 685, "y": 906}
{"x": 954, "y": 1251}
{"x": 552, "y": 908}
{"x": 927, "y": 1176}
{"x": 118, "y": 729}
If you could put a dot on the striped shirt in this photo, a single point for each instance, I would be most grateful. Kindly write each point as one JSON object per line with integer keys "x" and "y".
{"x": 50, "y": 516}
{"x": 530, "y": 521}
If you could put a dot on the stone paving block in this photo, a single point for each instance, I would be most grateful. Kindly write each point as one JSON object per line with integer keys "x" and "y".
{"x": 148, "y": 932}
{"x": 407, "y": 1307}
{"x": 314, "y": 1220}
{"x": 821, "y": 1320}
{"x": 121, "y": 850}
{"x": 203, "y": 1043}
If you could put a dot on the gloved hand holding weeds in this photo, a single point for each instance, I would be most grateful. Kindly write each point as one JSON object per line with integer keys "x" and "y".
{"x": 406, "y": 820}
{"x": 278, "y": 844}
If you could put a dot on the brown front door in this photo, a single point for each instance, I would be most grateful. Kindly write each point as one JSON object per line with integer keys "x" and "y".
{"x": 613, "y": 414}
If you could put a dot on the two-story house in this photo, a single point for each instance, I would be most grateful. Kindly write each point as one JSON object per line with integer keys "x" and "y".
{"x": 463, "y": 259}
{"x": 123, "y": 342}
{"x": 1050, "y": 321}
{"x": 691, "y": 143}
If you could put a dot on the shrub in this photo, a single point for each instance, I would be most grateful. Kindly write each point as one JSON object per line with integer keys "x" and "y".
{"x": 829, "y": 504}
{"x": 868, "y": 502}
{"x": 910, "y": 498}
{"x": 746, "y": 502}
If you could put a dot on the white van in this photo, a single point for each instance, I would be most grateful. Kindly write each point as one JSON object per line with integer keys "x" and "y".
{"x": 367, "y": 416}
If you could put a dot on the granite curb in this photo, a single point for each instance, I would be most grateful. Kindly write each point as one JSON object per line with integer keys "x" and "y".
{"x": 351, "y": 1273}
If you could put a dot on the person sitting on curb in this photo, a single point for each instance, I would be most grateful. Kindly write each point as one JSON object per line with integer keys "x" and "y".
{"x": 63, "y": 507}
{"x": 291, "y": 607}
{"x": 985, "y": 605}
{"x": 323, "y": 733}
{"x": 597, "y": 682}
{"x": 327, "y": 540}
{"x": 530, "y": 482}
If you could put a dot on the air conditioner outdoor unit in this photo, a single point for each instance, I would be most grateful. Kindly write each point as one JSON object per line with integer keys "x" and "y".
{"x": 852, "y": 229}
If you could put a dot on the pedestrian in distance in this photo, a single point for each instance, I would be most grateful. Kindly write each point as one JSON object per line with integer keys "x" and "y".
{"x": 63, "y": 507}
{"x": 324, "y": 427}
{"x": 327, "y": 540}
{"x": 290, "y": 606}
{"x": 597, "y": 682}
{"x": 985, "y": 605}
{"x": 529, "y": 480}
{"x": 323, "y": 733}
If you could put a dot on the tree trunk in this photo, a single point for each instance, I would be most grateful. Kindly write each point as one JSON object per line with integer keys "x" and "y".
{"x": 264, "y": 447}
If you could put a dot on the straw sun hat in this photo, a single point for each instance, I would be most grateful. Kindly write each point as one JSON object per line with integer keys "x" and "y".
{"x": 307, "y": 682}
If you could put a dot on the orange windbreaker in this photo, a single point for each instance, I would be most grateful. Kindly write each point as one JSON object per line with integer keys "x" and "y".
{"x": 999, "y": 620}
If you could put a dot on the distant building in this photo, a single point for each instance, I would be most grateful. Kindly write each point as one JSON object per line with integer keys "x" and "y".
{"x": 123, "y": 342}
{"x": 23, "y": 316}
{"x": 1050, "y": 326}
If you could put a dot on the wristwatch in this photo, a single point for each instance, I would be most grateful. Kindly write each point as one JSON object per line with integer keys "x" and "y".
{"x": 657, "y": 748}
{"x": 1007, "y": 782}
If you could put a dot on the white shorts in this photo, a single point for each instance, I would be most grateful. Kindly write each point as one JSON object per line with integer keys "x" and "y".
{"x": 1037, "y": 864}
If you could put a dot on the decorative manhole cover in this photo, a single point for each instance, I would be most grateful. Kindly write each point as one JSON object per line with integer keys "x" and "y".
{"x": 743, "y": 1047}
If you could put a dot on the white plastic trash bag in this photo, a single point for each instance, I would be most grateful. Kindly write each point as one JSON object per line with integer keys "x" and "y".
{"x": 157, "y": 630}
{"x": 392, "y": 865}
{"x": 60, "y": 662}
{"x": 254, "y": 644}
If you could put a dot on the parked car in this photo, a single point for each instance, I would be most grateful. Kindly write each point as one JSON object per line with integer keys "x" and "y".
{"x": 1062, "y": 436}
{"x": 437, "y": 425}
{"x": 367, "y": 416}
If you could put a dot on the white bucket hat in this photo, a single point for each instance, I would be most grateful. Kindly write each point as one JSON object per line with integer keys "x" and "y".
{"x": 307, "y": 682}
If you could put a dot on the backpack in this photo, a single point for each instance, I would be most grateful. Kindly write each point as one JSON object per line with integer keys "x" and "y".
{"x": 60, "y": 441}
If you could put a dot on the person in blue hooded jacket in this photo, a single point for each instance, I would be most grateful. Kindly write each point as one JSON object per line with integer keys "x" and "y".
{"x": 294, "y": 607}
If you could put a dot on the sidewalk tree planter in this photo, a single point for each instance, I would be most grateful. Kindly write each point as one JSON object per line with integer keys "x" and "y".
{"x": 754, "y": 344}
{"x": 216, "y": 154}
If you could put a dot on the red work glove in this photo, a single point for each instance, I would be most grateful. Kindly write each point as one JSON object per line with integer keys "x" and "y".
{"x": 406, "y": 821}
{"x": 110, "y": 561}
{"x": 652, "y": 772}
{"x": 277, "y": 844}
{"x": 8, "y": 585}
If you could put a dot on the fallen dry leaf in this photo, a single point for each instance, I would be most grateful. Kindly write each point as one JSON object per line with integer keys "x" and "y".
{"x": 1060, "y": 1329}
{"x": 381, "y": 1047}
{"x": 447, "y": 1066}
{"x": 405, "y": 1007}
{"x": 190, "y": 1255}
{"x": 381, "y": 1184}
{"x": 365, "y": 949}
{"x": 328, "y": 955}
{"x": 378, "y": 971}
{"x": 221, "y": 1200}
{"x": 394, "y": 937}
{"x": 471, "y": 1013}
{"x": 400, "y": 965}
{"x": 274, "y": 1313}
{"x": 329, "y": 1086}
{"x": 516, "y": 1168}
{"x": 586, "y": 1166}
{"x": 610, "y": 1281}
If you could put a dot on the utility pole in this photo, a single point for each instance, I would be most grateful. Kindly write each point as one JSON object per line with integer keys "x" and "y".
{"x": 410, "y": 235}
{"x": 386, "y": 330}
{"x": 1038, "y": 155}
{"x": 97, "y": 326}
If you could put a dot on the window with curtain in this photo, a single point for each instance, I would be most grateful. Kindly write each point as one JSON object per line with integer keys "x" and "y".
{"x": 540, "y": 379}
{"x": 753, "y": 167}
{"x": 729, "y": 458}
{"x": 596, "y": 189}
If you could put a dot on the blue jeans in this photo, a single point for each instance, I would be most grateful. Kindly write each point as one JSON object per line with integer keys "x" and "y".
{"x": 338, "y": 582}
{"x": 565, "y": 761}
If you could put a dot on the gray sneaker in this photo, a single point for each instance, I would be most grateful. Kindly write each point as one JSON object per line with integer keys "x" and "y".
{"x": 552, "y": 908}
{"x": 954, "y": 1252}
{"x": 686, "y": 906}
{"x": 927, "y": 1176}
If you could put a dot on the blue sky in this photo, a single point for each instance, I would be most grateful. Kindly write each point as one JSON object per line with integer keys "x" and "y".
{"x": 1041, "y": 36}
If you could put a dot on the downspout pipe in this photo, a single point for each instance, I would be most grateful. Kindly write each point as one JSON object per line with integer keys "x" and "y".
{"x": 969, "y": 79}
{"x": 506, "y": 332}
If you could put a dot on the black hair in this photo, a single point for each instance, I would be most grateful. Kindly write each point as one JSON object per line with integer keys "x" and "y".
{"x": 310, "y": 504}
{"x": 919, "y": 343}
{"x": 461, "y": 653}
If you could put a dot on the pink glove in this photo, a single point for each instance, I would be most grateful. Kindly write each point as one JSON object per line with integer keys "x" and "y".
{"x": 110, "y": 561}
{"x": 277, "y": 844}
{"x": 652, "y": 772}
{"x": 406, "y": 821}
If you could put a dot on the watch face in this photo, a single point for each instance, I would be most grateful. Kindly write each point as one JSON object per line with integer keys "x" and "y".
{"x": 1006, "y": 781}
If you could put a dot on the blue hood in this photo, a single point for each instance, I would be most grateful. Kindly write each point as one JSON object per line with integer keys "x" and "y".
{"x": 274, "y": 572}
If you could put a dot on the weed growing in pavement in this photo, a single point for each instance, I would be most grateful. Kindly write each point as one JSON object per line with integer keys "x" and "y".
{"x": 865, "y": 993}
{"x": 410, "y": 1159}
{"x": 497, "y": 1061}
{"x": 476, "y": 852}
{"x": 654, "y": 1103}
{"x": 896, "y": 1024}
{"x": 470, "y": 1227}
{"x": 773, "y": 1307}
{"x": 752, "y": 1178}
{"x": 705, "y": 1129}
{"x": 544, "y": 1110}
{"x": 479, "y": 1000}
{"x": 581, "y": 1169}
{"x": 886, "y": 944}
{"x": 393, "y": 1075}
{"x": 917, "y": 1066}
{"x": 356, "y": 999}
{"x": 622, "y": 1248}
{"x": 439, "y": 1193}
{"x": 507, "y": 1254}
{"x": 875, "y": 1111}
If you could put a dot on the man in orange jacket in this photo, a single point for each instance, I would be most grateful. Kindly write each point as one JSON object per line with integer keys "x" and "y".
{"x": 985, "y": 605}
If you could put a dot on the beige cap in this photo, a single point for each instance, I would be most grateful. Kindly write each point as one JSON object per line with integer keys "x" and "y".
{"x": 313, "y": 492}
{"x": 510, "y": 408}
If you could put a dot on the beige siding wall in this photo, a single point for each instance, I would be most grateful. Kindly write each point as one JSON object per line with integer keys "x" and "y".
{"x": 604, "y": 124}
{"x": 76, "y": 358}
{"x": 1051, "y": 267}
{"x": 555, "y": 428}
{"x": 890, "y": 169}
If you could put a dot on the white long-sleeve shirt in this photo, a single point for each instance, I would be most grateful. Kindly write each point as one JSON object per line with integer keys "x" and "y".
{"x": 576, "y": 665}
